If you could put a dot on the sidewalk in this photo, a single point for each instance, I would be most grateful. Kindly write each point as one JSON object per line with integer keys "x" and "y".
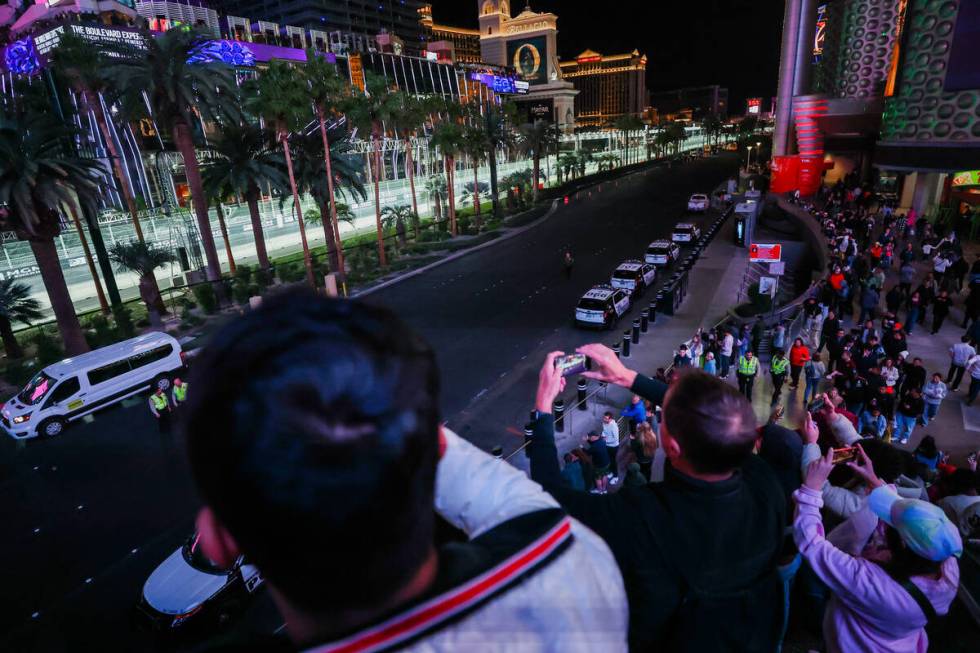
{"x": 713, "y": 285}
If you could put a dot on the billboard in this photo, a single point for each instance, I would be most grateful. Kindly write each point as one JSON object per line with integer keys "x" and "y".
{"x": 759, "y": 253}
{"x": 534, "y": 110}
{"x": 753, "y": 106}
{"x": 529, "y": 57}
{"x": 963, "y": 71}
{"x": 966, "y": 178}
{"x": 820, "y": 36}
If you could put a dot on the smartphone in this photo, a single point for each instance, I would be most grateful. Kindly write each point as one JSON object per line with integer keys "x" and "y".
{"x": 571, "y": 364}
{"x": 845, "y": 455}
{"x": 816, "y": 406}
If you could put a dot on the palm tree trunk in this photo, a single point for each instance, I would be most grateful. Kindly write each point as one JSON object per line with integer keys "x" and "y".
{"x": 103, "y": 304}
{"x": 224, "y": 235}
{"x": 494, "y": 193}
{"x": 537, "y": 174}
{"x": 331, "y": 226}
{"x": 185, "y": 144}
{"x": 477, "y": 211}
{"x": 307, "y": 260}
{"x": 252, "y": 198}
{"x": 376, "y": 158}
{"x": 124, "y": 188}
{"x": 10, "y": 345}
{"x": 102, "y": 255}
{"x": 410, "y": 163}
{"x": 46, "y": 255}
{"x": 332, "y": 253}
{"x": 150, "y": 296}
{"x": 451, "y": 187}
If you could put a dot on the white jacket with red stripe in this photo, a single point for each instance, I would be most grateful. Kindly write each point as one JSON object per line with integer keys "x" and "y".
{"x": 572, "y": 600}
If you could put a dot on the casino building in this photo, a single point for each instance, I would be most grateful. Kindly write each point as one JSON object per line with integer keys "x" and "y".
{"x": 609, "y": 86}
{"x": 889, "y": 89}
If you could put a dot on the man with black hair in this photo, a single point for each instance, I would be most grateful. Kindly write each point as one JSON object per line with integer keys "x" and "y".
{"x": 699, "y": 551}
{"x": 314, "y": 438}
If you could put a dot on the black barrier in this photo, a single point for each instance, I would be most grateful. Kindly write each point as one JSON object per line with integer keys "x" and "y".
{"x": 497, "y": 452}
{"x": 636, "y": 332}
{"x": 528, "y": 432}
{"x": 626, "y": 343}
{"x": 616, "y": 349}
{"x": 645, "y": 320}
{"x": 583, "y": 394}
{"x": 653, "y": 308}
{"x": 558, "y": 410}
{"x": 665, "y": 298}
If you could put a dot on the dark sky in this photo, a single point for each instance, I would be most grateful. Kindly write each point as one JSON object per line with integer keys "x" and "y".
{"x": 734, "y": 43}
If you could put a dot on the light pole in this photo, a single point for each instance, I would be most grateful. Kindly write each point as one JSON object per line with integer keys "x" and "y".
{"x": 748, "y": 158}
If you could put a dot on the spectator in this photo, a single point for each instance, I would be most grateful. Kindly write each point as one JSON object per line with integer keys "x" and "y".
{"x": 835, "y": 348}
{"x": 778, "y": 368}
{"x": 799, "y": 354}
{"x": 889, "y": 373}
{"x": 841, "y": 430}
{"x": 973, "y": 369}
{"x": 573, "y": 474}
{"x": 712, "y": 528}
{"x": 914, "y": 375}
{"x": 696, "y": 350}
{"x": 915, "y": 308}
{"x": 893, "y": 299}
{"x": 725, "y": 358}
{"x": 636, "y": 412}
{"x": 933, "y": 394}
{"x": 644, "y": 447}
{"x": 906, "y": 276}
{"x": 959, "y": 355}
{"x": 869, "y": 302}
{"x": 779, "y": 336}
{"x": 910, "y": 408}
{"x": 748, "y": 368}
{"x": 879, "y": 604}
{"x": 829, "y": 328}
{"x": 336, "y": 501}
{"x": 599, "y": 451}
{"x": 610, "y": 435}
{"x": 682, "y": 358}
{"x": 871, "y": 422}
{"x": 962, "y": 502}
{"x": 895, "y": 341}
{"x": 814, "y": 371}
{"x": 710, "y": 365}
{"x": 928, "y": 453}
{"x": 940, "y": 310}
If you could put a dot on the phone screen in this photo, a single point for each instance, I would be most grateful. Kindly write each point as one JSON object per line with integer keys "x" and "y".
{"x": 571, "y": 364}
{"x": 844, "y": 455}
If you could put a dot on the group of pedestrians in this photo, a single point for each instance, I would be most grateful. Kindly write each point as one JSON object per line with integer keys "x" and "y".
{"x": 164, "y": 407}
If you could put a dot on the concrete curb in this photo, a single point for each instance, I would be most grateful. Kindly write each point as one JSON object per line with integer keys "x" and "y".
{"x": 490, "y": 243}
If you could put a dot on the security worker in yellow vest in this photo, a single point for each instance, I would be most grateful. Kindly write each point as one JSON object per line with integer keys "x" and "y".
{"x": 778, "y": 368}
{"x": 161, "y": 409}
{"x": 179, "y": 395}
{"x": 748, "y": 367}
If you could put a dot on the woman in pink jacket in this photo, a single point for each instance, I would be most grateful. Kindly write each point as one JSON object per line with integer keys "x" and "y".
{"x": 883, "y": 596}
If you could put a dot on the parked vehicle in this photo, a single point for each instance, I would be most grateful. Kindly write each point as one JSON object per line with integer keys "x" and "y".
{"x": 66, "y": 391}
{"x": 634, "y": 277}
{"x": 686, "y": 233}
{"x": 698, "y": 203}
{"x": 601, "y": 307}
{"x": 662, "y": 253}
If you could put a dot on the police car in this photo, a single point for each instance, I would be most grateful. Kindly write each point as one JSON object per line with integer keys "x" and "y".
{"x": 698, "y": 203}
{"x": 634, "y": 277}
{"x": 662, "y": 253}
{"x": 686, "y": 232}
{"x": 601, "y": 307}
{"x": 188, "y": 588}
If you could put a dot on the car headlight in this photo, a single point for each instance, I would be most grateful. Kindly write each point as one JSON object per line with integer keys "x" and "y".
{"x": 181, "y": 618}
{"x": 20, "y": 419}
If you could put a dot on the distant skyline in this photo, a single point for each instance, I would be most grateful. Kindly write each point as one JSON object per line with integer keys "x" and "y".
{"x": 733, "y": 43}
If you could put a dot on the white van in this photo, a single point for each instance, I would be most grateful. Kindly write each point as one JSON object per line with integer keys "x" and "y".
{"x": 75, "y": 387}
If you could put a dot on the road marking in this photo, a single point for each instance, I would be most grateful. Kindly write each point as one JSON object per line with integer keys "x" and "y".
{"x": 480, "y": 394}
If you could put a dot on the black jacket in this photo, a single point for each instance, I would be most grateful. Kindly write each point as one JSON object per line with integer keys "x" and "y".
{"x": 676, "y": 538}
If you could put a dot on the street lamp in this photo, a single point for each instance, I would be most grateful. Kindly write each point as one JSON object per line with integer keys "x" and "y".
{"x": 748, "y": 158}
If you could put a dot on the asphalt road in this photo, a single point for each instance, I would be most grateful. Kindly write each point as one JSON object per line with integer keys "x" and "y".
{"x": 88, "y": 515}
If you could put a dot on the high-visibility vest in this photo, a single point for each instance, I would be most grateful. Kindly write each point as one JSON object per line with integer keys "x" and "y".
{"x": 779, "y": 365}
{"x": 159, "y": 401}
{"x": 180, "y": 392}
{"x": 748, "y": 367}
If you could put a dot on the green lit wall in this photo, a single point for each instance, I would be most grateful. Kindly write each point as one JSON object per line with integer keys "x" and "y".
{"x": 920, "y": 111}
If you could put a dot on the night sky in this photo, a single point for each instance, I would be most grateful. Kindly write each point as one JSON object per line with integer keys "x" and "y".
{"x": 734, "y": 43}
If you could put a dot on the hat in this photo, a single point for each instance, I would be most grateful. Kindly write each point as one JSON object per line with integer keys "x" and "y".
{"x": 924, "y": 527}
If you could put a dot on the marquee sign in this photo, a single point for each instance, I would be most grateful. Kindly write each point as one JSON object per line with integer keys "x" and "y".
{"x": 765, "y": 253}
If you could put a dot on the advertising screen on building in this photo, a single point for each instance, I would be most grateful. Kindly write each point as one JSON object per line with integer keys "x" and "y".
{"x": 754, "y": 106}
{"x": 966, "y": 178}
{"x": 530, "y": 58}
{"x": 963, "y": 71}
{"x": 820, "y": 36}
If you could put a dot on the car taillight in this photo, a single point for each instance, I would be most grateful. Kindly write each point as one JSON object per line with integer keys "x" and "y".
{"x": 183, "y": 358}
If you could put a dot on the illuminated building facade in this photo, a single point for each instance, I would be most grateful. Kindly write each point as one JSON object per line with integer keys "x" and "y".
{"x": 691, "y": 103}
{"x": 457, "y": 43}
{"x": 609, "y": 86}
{"x": 888, "y": 89}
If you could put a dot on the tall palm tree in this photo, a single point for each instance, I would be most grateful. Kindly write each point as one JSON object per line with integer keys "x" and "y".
{"x": 368, "y": 112}
{"x": 435, "y": 186}
{"x": 408, "y": 116}
{"x": 281, "y": 99}
{"x": 328, "y": 91}
{"x": 712, "y": 126}
{"x": 72, "y": 210}
{"x": 398, "y": 217}
{"x": 143, "y": 258}
{"x": 346, "y": 181}
{"x": 16, "y": 305}
{"x": 536, "y": 139}
{"x": 677, "y": 135}
{"x": 475, "y": 146}
{"x": 181, "y": 86}
{"x": 216, "y": 196}
{"x": 495, "y": 121}
{"x": 244, "y": 161}
{"x": 448, "y": 138}
{"x": 37, "y": 176}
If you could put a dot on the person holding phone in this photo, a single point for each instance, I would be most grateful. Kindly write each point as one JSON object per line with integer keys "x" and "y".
{"x": 882, "y": 597}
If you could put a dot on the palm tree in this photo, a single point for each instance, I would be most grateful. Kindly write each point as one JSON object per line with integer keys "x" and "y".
{"x": 346, "y": 180}
{"x": 677, "y": 133}
{"x": 36, "y": 178}
{"x": 712, "y": 126}
{"x": 398, "y": 217}
{"x": 536, "y": 139}
{"x": 243, "y": 161}
{"x": 181, "y": 87}
{"x": 663, "y": 140}
{"x": 217, "y": 195}
{"x": 368, "y": 112}
{"x": 568, "y": 164}
{"x": 408, "y": 116}
{"x": 328, "y": 91}
{"x": 281, "y": 98}
{"x": 435, "y": 186}
{"x": 16, "y": 305}
{"x": 495, "y": 120}
{"x": 143, "y": 258}
{"x": 448, "y": 138}
{"x": 475, "y": 145}
{"x": 73, "y": 212}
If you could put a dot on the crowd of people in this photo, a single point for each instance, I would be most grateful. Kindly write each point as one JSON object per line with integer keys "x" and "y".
{"x": 318, "y": 448}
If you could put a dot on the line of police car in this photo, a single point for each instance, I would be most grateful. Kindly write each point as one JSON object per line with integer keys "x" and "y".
{"x": 603, "y": 305}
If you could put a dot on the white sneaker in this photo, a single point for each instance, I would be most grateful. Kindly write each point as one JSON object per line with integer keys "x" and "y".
{"x": 614, "y": 480}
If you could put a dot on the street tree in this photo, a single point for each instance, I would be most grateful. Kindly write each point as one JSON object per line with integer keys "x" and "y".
{"x": 143, "y": 258}
{"x": 448, "y": 139}
{"x": 397, "y": 217}
{"x": 536, "y": 139}
{"x": 16, "y": 305}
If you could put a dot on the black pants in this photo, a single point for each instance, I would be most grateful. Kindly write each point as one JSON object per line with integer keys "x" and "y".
{"x": 937, "y": 322}
{"x": 955, "y": 376}
{"x": 794, "y": 371}
{"x": 745, "y": 383}
{"x": 777, "y": 386}
{"x": 163, "y": 422}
